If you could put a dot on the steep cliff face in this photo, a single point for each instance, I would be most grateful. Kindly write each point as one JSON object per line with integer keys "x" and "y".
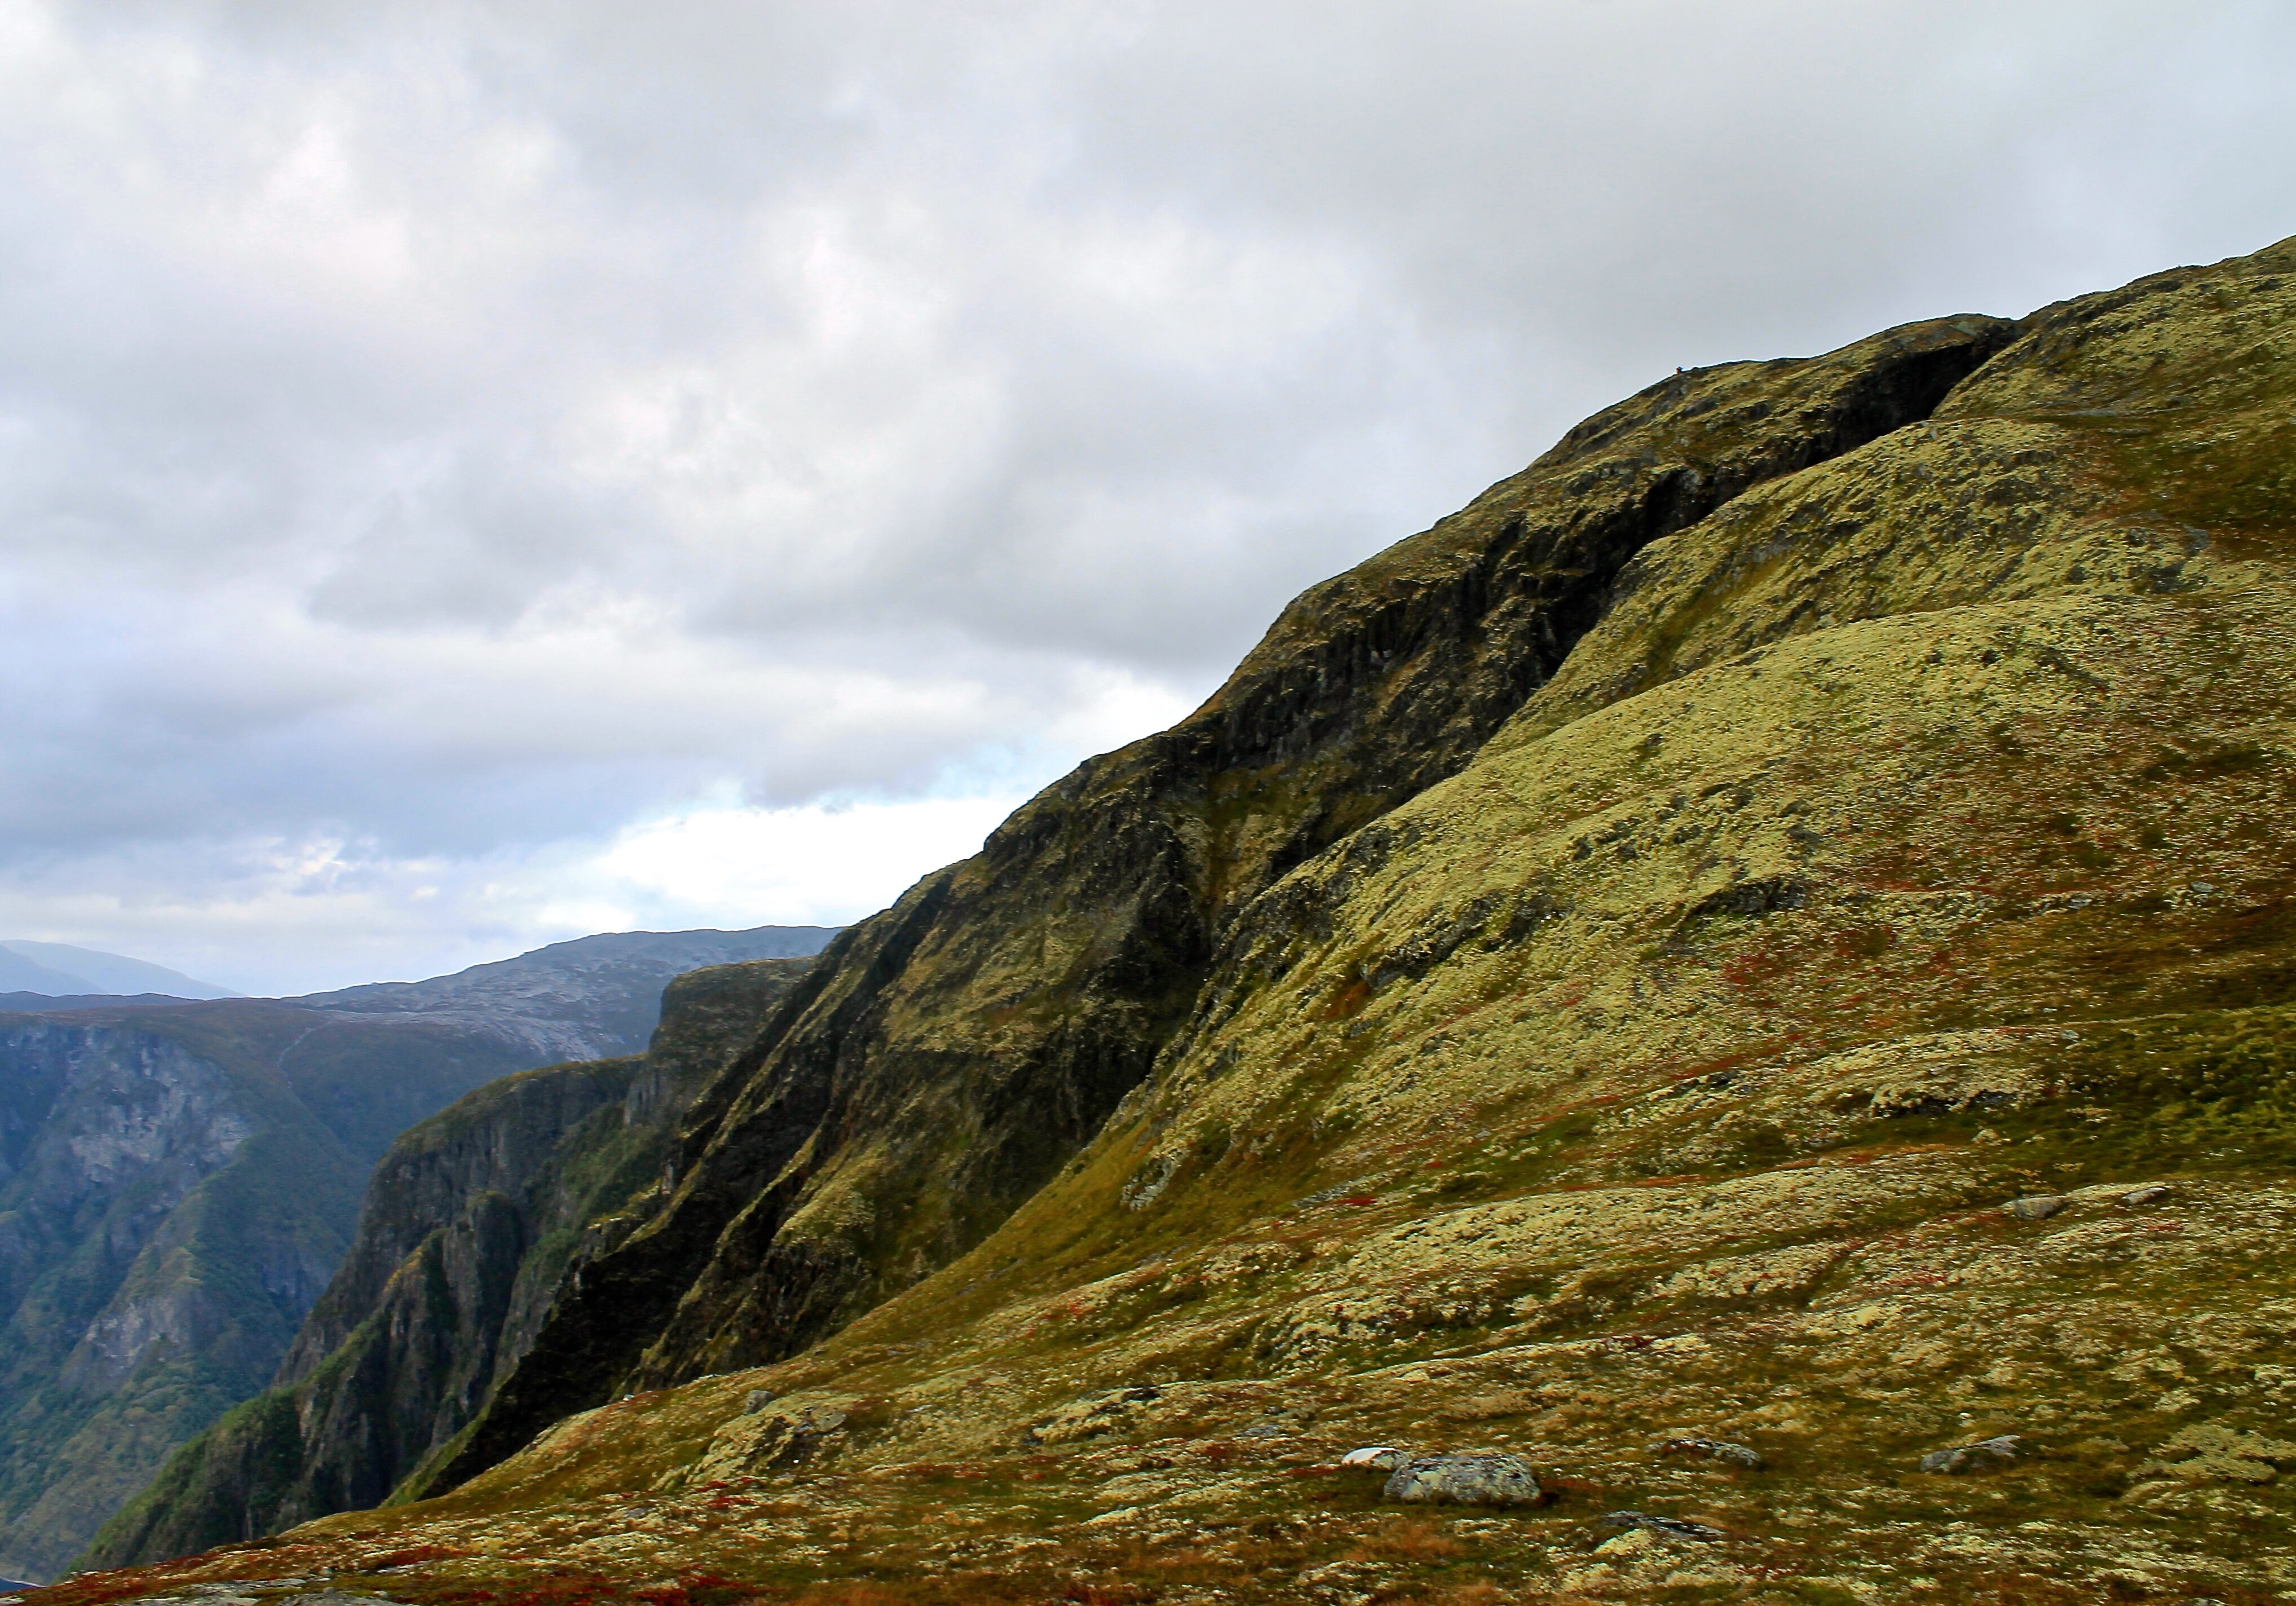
{"x": 165, "y": 1220}
{"x": 950, "y": 1055}
{"x": 178, "y": 1181}
{"x": 469, "y": 1224}
{"x": 1816, "y": 1085}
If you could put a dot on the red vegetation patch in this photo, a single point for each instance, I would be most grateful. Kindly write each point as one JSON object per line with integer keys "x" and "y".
{"x": 411, "y": 1556}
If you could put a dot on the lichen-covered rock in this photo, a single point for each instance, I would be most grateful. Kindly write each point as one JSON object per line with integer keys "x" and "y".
{"x": 789, "y": 1431}
{"x": 1985, "y": 1455}
{"x": 2211, "y": 1450}
{"x": 1671, "y": 1527}
{"x": 1712, "y": 1449}
{"x": 1110, "y": 1412}
{"x": 1486, "y": 1478}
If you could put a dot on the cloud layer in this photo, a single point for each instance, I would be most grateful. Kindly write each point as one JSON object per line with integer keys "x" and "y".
{"x": 471, "y": 474}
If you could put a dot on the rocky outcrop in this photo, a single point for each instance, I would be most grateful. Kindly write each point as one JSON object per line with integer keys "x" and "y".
{"x": 469, "y": 1224}
{"x": 951, "y": 1054}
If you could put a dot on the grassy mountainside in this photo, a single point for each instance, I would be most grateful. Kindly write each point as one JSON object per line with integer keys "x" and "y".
{"x": 468, "y": 1225}
{"x": 951, "y": 1054}
{"x": 1843, "y": 1011}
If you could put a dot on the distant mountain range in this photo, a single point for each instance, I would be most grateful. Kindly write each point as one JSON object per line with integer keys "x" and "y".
{"x": 57, "y": 969}
{"x": 179, "y": 1178}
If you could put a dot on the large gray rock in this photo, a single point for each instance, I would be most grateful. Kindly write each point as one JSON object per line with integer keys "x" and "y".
{"x": 1487, "y": 1478}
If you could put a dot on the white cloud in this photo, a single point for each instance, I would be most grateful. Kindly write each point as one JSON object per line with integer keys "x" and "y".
{"x": 439, "y": 442}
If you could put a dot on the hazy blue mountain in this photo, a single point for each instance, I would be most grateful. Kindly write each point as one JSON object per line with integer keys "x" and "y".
{"x": 60, "y": 969}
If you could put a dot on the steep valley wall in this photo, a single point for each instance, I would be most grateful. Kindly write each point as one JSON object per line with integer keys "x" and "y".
{"x": 469, "y": 1224}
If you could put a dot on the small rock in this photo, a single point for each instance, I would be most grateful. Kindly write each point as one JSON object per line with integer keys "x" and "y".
{"x": 1265, "y": 1431}
{"x": 1384, "y": 1458}
{"x": 1675, "y": 1526}
{"x": 1985, "y": 1455}
{"x": 1713, "y": 1449}
{"x": 1486, "y": 1478}
{"x": 758, "y": 1399}
{"x": 2152, "y": 1194}
{"x": 2035, "y": 1207}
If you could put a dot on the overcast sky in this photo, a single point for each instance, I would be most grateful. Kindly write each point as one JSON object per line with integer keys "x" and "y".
{"x": 476, "y": 475}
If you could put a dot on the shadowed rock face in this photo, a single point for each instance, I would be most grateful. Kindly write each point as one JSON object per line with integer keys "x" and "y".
{"x": 468, "y": 1225}
{"x": 951, "y": 1054}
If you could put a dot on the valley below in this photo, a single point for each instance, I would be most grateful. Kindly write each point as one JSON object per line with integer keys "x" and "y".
{"x": 179, "y": 1179}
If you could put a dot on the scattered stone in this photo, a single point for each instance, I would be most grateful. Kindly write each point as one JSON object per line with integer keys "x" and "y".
{"x": 2151, "y": 1193}
{"x": 1265, "y": 1431}
{"x": 1985, "y": 1456}
{"x": 1111, "y": 1410}
{"x": 1675, "y": 1526}
{"x": 1384, "y": 1458}
{"x": 2035, "y": 1207}
{"x": 1713, "y": 1449}
{"x": 1485, "y": 1479}
{"x": 758, "y": 1399}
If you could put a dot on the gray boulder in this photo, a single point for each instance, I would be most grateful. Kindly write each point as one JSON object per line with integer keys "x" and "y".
{"x": 1476, "y": 1479}
{"x": 1985, "y": 1455}
{"x": 1673, "y": 1528}
{"x": 1712, "y": 1449}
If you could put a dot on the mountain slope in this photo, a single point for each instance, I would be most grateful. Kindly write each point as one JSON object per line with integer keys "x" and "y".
{"x": 178, "y": 1181}
{"x": 468, "y": 1227}
{"x": 1838, "y": 1020}
{"x": 950, "y": 1055}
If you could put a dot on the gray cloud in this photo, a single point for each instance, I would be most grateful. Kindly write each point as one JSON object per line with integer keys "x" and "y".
{"x": 435, "y": 440}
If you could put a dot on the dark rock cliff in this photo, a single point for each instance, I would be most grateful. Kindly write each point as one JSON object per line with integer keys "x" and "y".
{"x": 948, "y": 1056}
{"x": 468, "y": 1225}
